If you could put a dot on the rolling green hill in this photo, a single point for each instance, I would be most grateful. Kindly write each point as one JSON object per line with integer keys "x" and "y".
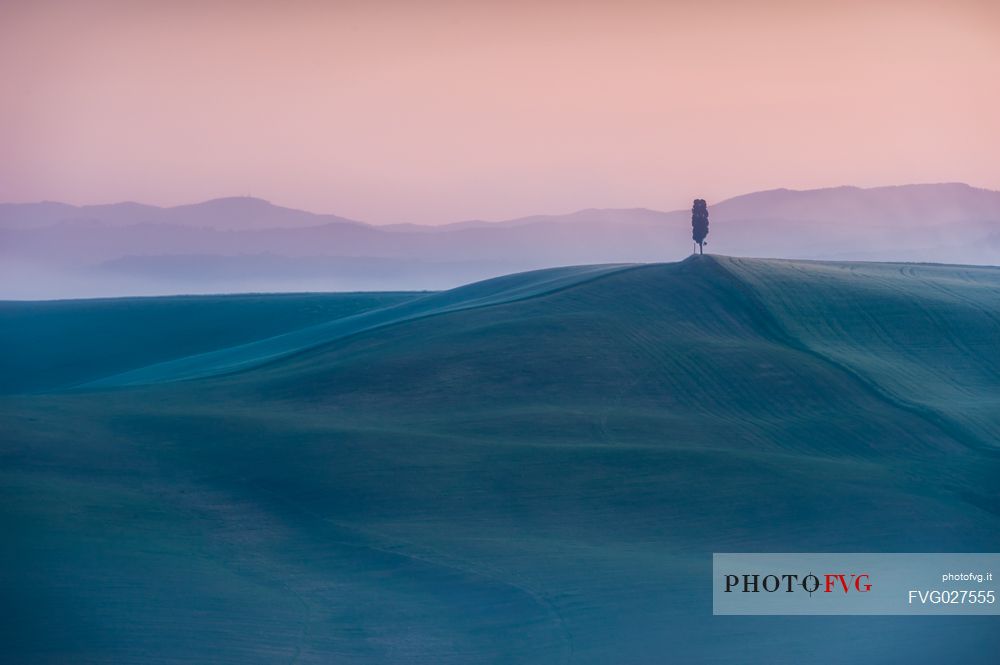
{"x": 61, "y": 343}
{"x": 533, "y": 469}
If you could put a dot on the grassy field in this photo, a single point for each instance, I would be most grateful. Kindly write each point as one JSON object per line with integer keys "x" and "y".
{"x": 59, "y": 343}
{"x": 532, "y": 469}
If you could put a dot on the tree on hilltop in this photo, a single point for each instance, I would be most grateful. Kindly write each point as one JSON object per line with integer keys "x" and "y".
{"x": 699, "y": 223}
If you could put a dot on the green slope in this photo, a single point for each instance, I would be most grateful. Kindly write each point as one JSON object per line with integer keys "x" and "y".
{"x": 60, "y": 343}
{"x": 244, "y": 356}
{"x": 527, "y": 470}
{"x": 685, "y": 348}
{"x": 926, "y": 336}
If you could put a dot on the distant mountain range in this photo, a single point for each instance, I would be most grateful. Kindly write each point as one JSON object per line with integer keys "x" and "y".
{"x": 55, "y": 250}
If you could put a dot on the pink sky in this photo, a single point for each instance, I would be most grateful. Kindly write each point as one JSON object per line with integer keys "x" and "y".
{"x": 440, "y": 111}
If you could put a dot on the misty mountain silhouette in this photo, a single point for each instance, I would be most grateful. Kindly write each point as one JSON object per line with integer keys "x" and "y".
{"x": 246, "y": 244}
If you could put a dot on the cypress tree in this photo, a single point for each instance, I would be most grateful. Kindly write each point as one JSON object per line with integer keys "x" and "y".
{"x": 699, "y": 223}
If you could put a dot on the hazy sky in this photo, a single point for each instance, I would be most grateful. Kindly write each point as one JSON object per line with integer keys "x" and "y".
{"x": 441, "y": 111}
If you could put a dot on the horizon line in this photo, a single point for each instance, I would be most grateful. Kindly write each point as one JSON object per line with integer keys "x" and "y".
{"x": 482, "y": 220}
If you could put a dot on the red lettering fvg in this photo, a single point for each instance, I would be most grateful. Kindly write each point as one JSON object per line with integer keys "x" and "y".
{"x": 847, "y": 582}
